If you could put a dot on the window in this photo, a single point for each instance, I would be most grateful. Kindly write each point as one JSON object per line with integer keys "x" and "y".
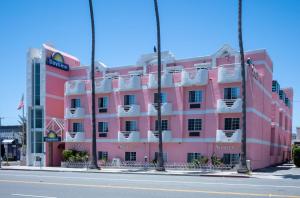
{"x": 77, "y": 127}
{"x": 103, "y": 104}
{"x": 195, "y": 96}
{"x": 164, "y": 125}
{"x": 229, "y": 158}
{"x": 231, "y": 93}
{"x": 129, "y": 100}
{"x": 38, "y": 118}
{"x": 37, "y": 83}
{"x": 280, "y": 119}
{"x": 37, "y": 142}
{"x": 103, "y": 155}
{"x": 130, "y": 156}
{"x": 194, "y": 126}
{"x": 131, "y": 125}
{"x": 193, "y": 156}
{"x": 232, "y": 123}
{"x": 163, "y": 98}
{"x": 165, "y": 156}
{"x": 102, "y": 129}
{"x": 75, "y": 103}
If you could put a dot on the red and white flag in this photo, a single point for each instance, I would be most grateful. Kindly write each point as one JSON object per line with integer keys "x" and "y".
{"x": 21, "y": 104}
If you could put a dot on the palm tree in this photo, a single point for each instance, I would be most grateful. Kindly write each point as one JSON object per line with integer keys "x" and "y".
{"x": 94, "y": 164}
{"x": 243, "y": 167}
{"x": 160, "y": 166}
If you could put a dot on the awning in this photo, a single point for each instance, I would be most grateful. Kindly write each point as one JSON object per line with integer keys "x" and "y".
{"x": 8, "y": 141}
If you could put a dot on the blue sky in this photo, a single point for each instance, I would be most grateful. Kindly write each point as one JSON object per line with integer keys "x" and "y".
{"x": 126, "y": 29}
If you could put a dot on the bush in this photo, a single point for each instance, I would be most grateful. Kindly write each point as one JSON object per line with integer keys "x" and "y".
{"x": 200, "y": 161}
{"x": 296, "y": 156}
{"x": 75, "y": 156}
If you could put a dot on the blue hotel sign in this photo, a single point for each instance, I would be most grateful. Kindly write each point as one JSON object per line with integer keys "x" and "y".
{"x": 57, "y": 60}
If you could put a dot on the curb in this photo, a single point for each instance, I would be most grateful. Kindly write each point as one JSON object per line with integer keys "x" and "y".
{"x": 134, "y": 173}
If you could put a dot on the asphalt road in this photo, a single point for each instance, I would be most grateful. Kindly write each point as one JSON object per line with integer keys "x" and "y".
{"x": 18, "y": 184}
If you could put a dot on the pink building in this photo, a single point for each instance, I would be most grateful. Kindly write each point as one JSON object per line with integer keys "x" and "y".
{"x": 201, "y": 108}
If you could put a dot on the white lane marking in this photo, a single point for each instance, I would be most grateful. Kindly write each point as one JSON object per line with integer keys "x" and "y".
{"x": 23, "y": 195}
{"x": 153, "y": 181}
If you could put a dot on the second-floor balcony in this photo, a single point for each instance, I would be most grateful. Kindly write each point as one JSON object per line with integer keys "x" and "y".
{"x": 153, "y": 136}
{"x": 74, "y": 113}
{"x": 128, "y": 136}
{"x": 128, "y": 110}
{"x": 166, "y": 109}
{"x": 194, "y": 77}
{"x": 128, "y": 83}
{"x": 166, "y": 80}
{"x": 75, "y": 137}
{"x": 229, "y": 105}
{"x": 229, "y": 73}
{"x": 229, "y": 136}
{"x": 103, "y": 85}
{"x": 75, "y": 87}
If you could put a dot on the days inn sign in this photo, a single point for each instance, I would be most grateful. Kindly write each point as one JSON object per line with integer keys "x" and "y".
{"x": 57, "y": 60}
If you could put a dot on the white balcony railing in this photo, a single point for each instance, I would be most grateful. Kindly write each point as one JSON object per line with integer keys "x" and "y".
{"x": 166, "y": 80}
{"x": 229, "y": 73}
{"x": 129, "y": 83}
{"x": 74, "y": 113}
{"x": 153, "y": 136}
{"x": 229, "y": 136}
{"x": 229, "y": 105}
{"x": 194, "y": 77}
{"x": 74, "y": 87}
{"x": 103, "y": 85}
{"x": 128, "y": 136}
{"x": 128, "y": 110}
{"x": 166, "y": 109}
{"x": 75, "y": 136}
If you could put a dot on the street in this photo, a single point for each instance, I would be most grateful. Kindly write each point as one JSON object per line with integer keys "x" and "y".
{"x": 74, "y": 185}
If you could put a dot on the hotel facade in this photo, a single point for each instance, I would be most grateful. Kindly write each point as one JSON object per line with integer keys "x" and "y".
{"x": 201, "y": 108}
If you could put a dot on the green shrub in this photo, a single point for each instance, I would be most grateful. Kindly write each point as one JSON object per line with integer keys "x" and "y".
{"x": 296, "y": 156}
{"x": 75, "y": 156}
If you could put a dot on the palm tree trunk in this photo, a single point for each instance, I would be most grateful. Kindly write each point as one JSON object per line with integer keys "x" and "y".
{"x": 243, "y": 167}
{"x": 160, "y": 166}
{"x": 94, "y": 164}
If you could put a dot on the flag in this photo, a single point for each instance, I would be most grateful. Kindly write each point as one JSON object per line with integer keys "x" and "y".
{"x": 21, "y": 104}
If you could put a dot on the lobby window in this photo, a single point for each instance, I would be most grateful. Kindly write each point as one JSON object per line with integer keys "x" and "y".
{"x": 229, "y": 158}
{"x": 102, "y": 104}
{"x": 195, "y": 99}
{"x": 193, "y": 156}
{"x": 75, "y": 103}
{"x": 130, "y": 156}
{"x": 231, "y": 93}
{"x": 163, "y": 98}
{"x": 103, "y": 155}
{"x": 102, "y": 129}
{"x": 77, "y": 127}
{"x": 164, "y": 125}
{"x": 194, "y": 127}
{"x": 232, "y": 123}
{"x": 131, "y": 125}
{"x": 129, "y": 100}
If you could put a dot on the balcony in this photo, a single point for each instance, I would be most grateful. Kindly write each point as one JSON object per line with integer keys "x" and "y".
{"x": 128, "y": 110}
{"x": 229, "y": 105}
{"x": 103, "y": 85}
{"x": 229, "y": 73}
{"x": 166, "y": 80}
{"x": 166, "y": 109}
{"x": 128, "y": 136}
{"x": 229, "y": 136}
{"x": 74, "y": 87}
{"x": 153, "y": 136}
{"x": 129, "y": 83}
{"x": 194, "y": 77}
{"x": 75, "y": 137}
{"x": 74, "y": 113}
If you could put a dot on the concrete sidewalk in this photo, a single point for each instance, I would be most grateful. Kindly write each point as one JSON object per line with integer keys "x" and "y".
{"x": 132, "y": 171}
